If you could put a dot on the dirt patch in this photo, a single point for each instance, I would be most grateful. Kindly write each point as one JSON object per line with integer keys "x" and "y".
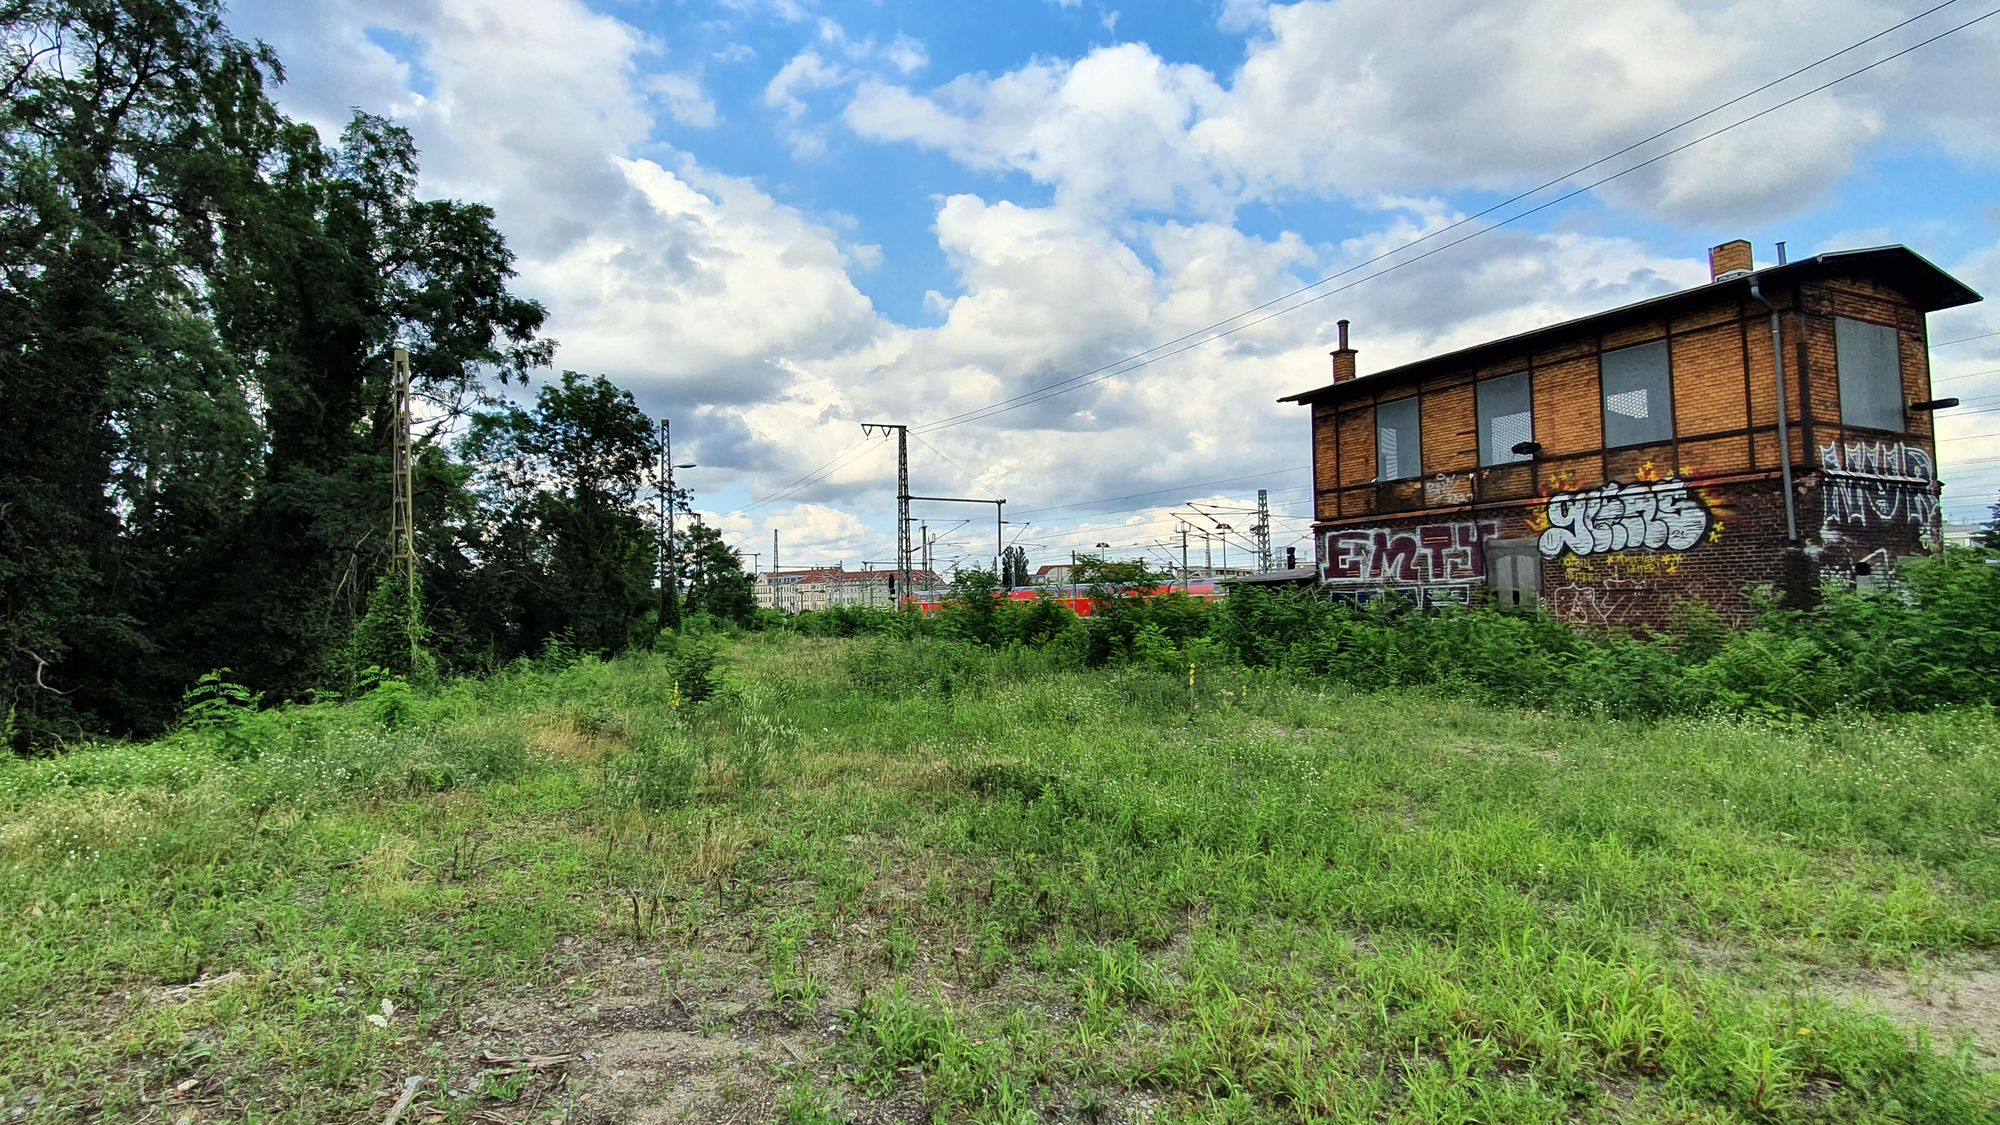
{"x": 1950, "y": 1004}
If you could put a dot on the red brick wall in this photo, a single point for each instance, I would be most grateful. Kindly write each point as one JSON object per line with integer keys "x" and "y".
{"x": 1699, "y": 517}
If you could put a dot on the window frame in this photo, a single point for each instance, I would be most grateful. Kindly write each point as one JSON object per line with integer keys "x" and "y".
{"x": 1415, "y": 406}
{"x": 1895, "y": 337}
{"x": 1604, "y": 396}
{"x": 1480, "y": 420}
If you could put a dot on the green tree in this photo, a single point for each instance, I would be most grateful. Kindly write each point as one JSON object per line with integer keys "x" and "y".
{"x": 1989, "y": 534}
{"x": 1014, "y": 567}
{"x": 1121, "y": 596}
{"x": 129, "y": 138}
{"x": 972, "y": 607}
{"x": 716, "y": 581}
{"x": 344, "y": 264}
{"x": 566, "y": 532}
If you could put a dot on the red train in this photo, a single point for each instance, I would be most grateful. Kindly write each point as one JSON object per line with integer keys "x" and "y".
{"x": 1078, "y": 597}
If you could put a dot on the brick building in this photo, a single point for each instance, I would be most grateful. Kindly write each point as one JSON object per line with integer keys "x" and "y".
{"x": 1613, "y": 466}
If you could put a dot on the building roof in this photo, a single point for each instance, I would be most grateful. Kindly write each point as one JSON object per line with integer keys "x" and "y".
{"x": 1928, "y": 286}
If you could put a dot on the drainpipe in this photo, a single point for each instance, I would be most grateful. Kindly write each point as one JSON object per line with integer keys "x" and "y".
{"x": 1784, "y": 425}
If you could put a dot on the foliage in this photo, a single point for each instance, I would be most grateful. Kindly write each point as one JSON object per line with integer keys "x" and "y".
{"x": 1050, "y": 895}
{"x": 573, "y": 554}
{"x": 717, "y": 584}
{"x": 1014, "y": 568}
{"x": 198, "y": 305}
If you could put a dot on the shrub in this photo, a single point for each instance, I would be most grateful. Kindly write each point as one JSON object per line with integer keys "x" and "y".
{"x": 693, "y": 666}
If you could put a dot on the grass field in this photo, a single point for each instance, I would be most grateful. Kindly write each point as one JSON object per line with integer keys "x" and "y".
{"x": 883, "y": 881}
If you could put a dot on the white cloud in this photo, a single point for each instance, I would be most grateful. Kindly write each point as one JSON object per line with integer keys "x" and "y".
{"x": 1338, "y": 100}
{"x": 717, "y": 302}
{"x": 804, "y": 72}
{"x": 684, "y": 98}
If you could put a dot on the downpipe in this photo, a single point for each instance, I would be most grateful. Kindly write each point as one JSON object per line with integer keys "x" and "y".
{"x": 1784, "y": 418}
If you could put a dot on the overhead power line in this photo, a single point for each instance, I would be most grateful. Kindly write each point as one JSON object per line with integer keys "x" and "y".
{"x": 831, "y": 466}
{"x": 1983, "y": 335}
{"x": 1210, "y": 333}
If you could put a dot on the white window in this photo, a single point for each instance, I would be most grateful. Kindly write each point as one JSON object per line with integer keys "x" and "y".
{"x": 1871, "y": 375}
{"x": 1506, "y": 418}
{"x": 1398, "y": 440}
{"x": 1638, "y": 395}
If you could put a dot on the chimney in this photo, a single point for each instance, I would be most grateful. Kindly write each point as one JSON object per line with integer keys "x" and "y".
{"x": 1343, "y": 358}
{"x": 1729, "y": 260}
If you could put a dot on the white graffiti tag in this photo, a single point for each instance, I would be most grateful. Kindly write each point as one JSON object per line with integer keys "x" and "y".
{"x": 1878, "y": 482}
{"x": 1660, "y": 515}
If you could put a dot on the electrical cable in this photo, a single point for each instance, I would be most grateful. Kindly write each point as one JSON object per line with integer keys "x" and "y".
{"x": 1100, "y": 374}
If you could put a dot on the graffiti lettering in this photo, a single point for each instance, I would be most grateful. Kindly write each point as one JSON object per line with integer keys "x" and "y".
{"x": 1412, "y": 556}
{"x": 1652, "y": 516}
{"x": 1578, "y": 569}
{"x": 1598, "y": 603}
{"x": 1446, "y": 489}
{"x": 1878, "y": 482}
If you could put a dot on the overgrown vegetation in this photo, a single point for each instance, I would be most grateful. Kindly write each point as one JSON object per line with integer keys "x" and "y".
{"x": 199, "y": 304}
{"x": 1928, "y": 642}
{"x": 912, "y": 878}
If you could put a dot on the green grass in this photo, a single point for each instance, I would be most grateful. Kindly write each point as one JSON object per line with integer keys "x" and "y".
{"x": 971, "y": 887}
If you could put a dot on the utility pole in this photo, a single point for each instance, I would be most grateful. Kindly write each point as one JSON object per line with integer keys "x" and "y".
{"x": 670, "y": 595}
{"x": 999, "y": 548}
{"x": 1207, "y": 555}
{"x": 902, "y": 502}
{"x": 402, "y": 504}
{"x": 1263, "y": 531}
{"x": 1184, "y": 558}
{"x": 774, "y": 570}
{"x": 924, "y": 545}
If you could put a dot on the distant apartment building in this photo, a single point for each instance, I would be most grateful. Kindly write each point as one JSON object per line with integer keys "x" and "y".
{"x": 1772, "y": 427}
{"x": 823, "y": 587}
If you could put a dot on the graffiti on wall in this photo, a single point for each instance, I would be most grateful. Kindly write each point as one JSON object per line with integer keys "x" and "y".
{"x": 1600, "y": 602}
{"x": 1661, "y": 515}
{"x": 1425, "y": 555}
{"x": 1446, "y": 489}
{"x": 1878, "y": 482}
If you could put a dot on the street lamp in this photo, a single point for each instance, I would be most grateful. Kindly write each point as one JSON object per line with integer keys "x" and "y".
{"x": 1225, "y": 528}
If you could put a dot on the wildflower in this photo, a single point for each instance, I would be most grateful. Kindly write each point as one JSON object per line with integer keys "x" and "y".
{"x": 1804, "y": 1031}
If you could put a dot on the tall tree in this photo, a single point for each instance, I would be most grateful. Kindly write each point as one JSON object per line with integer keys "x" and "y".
{"x": 129, "y": 137}
{"x": 567, "y": 538}
{"x": 345, "y": 265}
{"x": 716, "y": 582}
{"x": 1014, "y": 567}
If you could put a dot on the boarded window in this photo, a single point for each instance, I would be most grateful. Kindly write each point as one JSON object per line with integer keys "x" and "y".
{"x": 1871, "y": 375}
{"x": 1506, "y": 419}
{"x": 1398, "y": 442}
{"x": 1638, "y": 395}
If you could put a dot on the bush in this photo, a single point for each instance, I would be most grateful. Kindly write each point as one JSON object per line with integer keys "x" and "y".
{"x": 693, "y": 665}
{"x": 926, "y": 666}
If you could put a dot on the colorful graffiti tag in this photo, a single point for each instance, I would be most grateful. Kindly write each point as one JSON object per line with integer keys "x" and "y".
{"x": 1651, "y": 515}
{"x": 1870, "y": 482}
{"x": 1429, "y": 554}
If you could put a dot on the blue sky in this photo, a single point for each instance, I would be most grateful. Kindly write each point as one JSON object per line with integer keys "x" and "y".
{"x": 774, "y": 219}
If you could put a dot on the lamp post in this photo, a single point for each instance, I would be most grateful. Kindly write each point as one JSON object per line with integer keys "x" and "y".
{"x": 670, "y": 601}
{"x": 1225, "y": 529}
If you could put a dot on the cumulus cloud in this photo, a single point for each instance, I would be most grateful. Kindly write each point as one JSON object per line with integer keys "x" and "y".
{"x": 684, "y": 99}
{"x": 1373, "y": 95}
{"x": 736, "y": 312}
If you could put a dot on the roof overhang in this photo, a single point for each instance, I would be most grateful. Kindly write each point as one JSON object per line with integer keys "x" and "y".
{"x": 1929, "y": 287}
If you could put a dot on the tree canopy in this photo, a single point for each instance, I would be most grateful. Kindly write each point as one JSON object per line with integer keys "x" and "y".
{"x": 199, "y": 299}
